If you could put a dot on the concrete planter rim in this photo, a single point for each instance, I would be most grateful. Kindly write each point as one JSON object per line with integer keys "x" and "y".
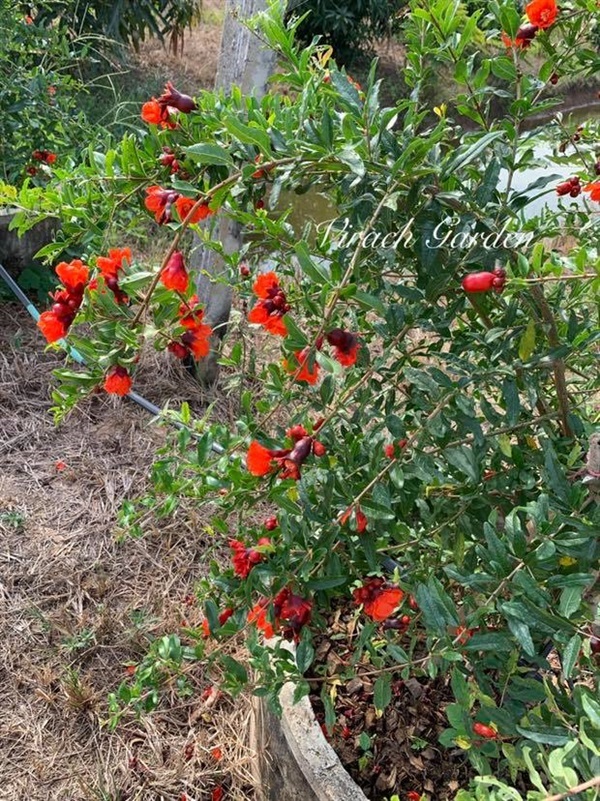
{"x": 297, "y": 737}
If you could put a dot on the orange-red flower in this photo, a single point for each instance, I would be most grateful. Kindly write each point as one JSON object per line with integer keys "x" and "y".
{"x": 156, "y": 113}
{"x": 594, "y": 190}
{"x": 259, "y": 459}
{"x": 110, "y": 265}
{"x": 223, "y": 618}
{"x": 175, "y": 276}
{"x": 259, "y": 616}
{"x": 160, "y": 201}
{"x": 542, "y": 13}
{"x": 301, "y": 371}
{"x": 74, "y": 275}
{"x": 51, "y": 326}
{"x": 118, "y": 381}
{"x": 360, "y": 517}
{"x": 185, "y": 204}
{"x": 345, "y": 346}
{"x": 197, "y": 341}
{"x": 269, "y": 311}
{"x": 379, "y": 599}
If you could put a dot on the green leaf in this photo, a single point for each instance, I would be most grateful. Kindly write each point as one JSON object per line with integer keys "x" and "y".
{"x": 570, "y": 600}
{"x": 206, "y": 153}
{"x": 464, "y": 460}
{"x": 305, "y": 654}
{"x": 527, "y": 343}
{"x": 545, "y": 735}
{"x": 249, "y": 135}
{"x": 591, "y": 707}
{"x": 382, "y": 692}
{"x": 570, "y": 654}
{"x": 316, "y": 271}
{"x": 466, "y": 156}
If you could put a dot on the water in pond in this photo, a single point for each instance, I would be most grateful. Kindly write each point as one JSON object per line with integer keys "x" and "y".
{"x": 316, "y": 208}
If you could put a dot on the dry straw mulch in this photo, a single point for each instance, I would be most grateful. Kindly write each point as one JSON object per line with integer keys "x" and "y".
{"x": 77, "y": 604}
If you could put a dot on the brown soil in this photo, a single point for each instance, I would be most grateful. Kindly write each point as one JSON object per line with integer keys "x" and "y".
{"x": 77, "y": 604}
{"x": 402, "y": 752}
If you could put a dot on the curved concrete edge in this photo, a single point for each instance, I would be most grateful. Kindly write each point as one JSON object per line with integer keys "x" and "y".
{"x": 294, "y": 761}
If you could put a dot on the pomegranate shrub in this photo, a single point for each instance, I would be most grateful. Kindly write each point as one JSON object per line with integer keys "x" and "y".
{"x": 423, "y": 450}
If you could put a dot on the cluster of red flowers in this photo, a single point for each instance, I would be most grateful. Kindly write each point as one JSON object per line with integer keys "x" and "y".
{"x": 272, "y": 306}
{"x": 571, "y": 187}
{"x": 55, "y": 323}
{"x": 289, "y": 614}
{"x": 174, "y": 275}
{"x": 47, "y": 156}
{"x": 484, "y": 281}
{"x": 379, "y": 599}
{"x": 110, "y": 266}
{"x": 161, "y": 201}
{"x": 541, "y": 14}
{"x": 196, "y": 340}
{"x": 261, "y": 460}
{"x": 158, "y": 112}
{"x": 245, "y": 558}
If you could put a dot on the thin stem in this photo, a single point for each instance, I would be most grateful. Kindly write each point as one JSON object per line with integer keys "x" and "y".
{"x": 579, "y": 788}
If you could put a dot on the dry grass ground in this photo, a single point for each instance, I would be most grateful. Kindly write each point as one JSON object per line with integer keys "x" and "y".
{"x": 76, "y": 605}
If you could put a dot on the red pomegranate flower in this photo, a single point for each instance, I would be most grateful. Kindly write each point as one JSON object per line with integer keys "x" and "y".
{"x": 259, "y": 616}
{"x": 51, "y": 326}
{"x": 301, "y": 371}
{"x": 360, "y": 517}
{"x": 345, "y": 346}
{"x": 155, "y": 113}
{"x": 118, "y": 381}
{"x": 542, "y": 13}
{"x": 594, "y": 190}
{"x": 379, "y": 599}
{"x": 74, "y": 275}
{"x": 197, "y": 341}
{"x": 245, "y": 558}
{"x": 160, "y": 201}
{"x": 110, "y": 265}
{"x": 259, "y": 459}
{"x": 269, "y": 311}
{"x": 185, "y": 204}
{"x": 175, "y": 276}
{"x": 292, "y": 610}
